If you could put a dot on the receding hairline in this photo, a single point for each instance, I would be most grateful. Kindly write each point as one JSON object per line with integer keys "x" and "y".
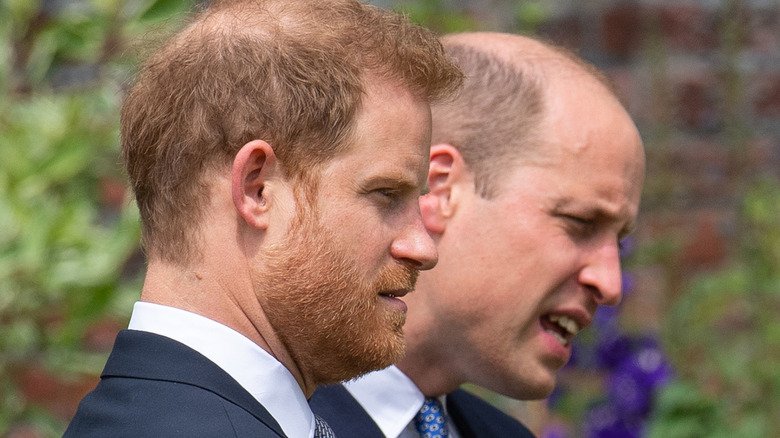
{"x": 545, "y": 72}
{"x": 533, "y": 55}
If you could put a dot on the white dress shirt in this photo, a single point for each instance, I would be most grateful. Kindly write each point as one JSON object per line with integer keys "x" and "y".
{"x": 252, "y": 367}
{"x": 392, "y": 400}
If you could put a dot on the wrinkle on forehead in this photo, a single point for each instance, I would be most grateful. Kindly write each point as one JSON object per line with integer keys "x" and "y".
{"x": 611, "y": 207}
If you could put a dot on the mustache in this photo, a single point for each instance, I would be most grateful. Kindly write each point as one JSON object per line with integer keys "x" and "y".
{"x": 397, "y": 277}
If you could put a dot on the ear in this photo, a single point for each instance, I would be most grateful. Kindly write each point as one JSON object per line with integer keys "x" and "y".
{"x": 447, "y": 170}
{"x": 253, "y": 165}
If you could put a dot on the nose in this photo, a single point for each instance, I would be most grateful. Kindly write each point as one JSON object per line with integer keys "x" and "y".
{"x": 601, "y": 274}
{"x": 414, "y": 246}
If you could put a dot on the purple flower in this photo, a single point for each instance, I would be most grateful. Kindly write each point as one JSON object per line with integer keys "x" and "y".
{"x": 628, "y": 393}
{"x": 606, "y": 318}
{"x": 576, "y": 353}
{"x": 555, "y": 430}
{"x": 558, "y": 393}
{"x": 649, "y": 361}
{"x": 612, "y": 349}
{"x": 632, "y": 386}
{"x": 627, "y": 246}
{"x": 604, "y": 422}
{"x": 628, "y": 283}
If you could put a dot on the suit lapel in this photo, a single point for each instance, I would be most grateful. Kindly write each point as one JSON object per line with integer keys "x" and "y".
{"x": 459, "y": 415}
{"x": 343, "y": 413}
{"x": 150, "y": 356}
{"x": 475, "y": 417}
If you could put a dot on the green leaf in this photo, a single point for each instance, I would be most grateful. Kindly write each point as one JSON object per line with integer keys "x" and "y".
{"x": 164, "y": 9}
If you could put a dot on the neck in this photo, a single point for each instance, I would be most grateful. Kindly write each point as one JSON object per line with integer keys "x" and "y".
{"x": 430, "y": 370}
{"x": 223, "y": 294}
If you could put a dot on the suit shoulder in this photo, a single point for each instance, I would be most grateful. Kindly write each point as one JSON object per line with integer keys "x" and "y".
{"x": 482, "y": 419}
{"x": 124, "y": 407}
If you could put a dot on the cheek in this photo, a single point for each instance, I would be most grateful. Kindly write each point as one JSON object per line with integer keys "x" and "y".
{"x": 491, "y": 306}
{"x": 371, "y": 247}
{"x": 360, "y": 235}
{"x": 499, "y": 335}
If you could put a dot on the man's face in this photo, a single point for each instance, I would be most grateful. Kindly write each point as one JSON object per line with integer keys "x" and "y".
{"x": 333, "y": 285}
{"x": 521, "y": 273}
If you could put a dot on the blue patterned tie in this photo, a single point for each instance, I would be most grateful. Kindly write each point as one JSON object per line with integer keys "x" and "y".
{"x": 321, "y": 428}
{"x": 430, "y": 422}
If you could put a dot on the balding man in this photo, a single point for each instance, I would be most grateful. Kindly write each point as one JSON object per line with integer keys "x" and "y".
{"x": 277, "y": 150}
{"x": 535, "y": 177}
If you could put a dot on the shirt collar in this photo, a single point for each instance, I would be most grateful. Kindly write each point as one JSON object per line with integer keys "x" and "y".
{"x": 252, "y": 367}
{"x": 390, "y": 410}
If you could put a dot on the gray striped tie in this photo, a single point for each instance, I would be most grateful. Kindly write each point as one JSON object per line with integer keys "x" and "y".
{"x": 321, "y": 428}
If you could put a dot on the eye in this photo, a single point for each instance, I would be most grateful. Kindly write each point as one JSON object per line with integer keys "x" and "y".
{"x": 578, "y": 220}
{"x": 579, "y": 225}
{"x": 388, "y": 192}
{"x": 387, "y": 197}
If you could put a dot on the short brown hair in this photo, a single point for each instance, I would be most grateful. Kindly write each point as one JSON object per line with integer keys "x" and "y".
{"x": 290, "y": 72}
{"x": 493, "y": 118}
{"x": 493, "y": 121}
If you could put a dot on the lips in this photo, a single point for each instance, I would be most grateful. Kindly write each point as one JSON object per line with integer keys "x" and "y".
{"x": 563, "y": 327}
{"x": 392, "y": 299}
{"x": 398, "y": 293}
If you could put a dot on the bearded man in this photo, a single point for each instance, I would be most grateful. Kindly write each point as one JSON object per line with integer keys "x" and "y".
{"x": 277, "y": 150}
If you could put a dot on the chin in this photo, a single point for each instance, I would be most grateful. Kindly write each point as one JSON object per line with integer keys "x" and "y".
{"x": 542, "y": 392}
{"x": 526, "y": 389}
{"x": 358, "y": 353}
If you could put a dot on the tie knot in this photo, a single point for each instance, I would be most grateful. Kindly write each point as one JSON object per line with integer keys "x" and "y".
{"x": 430, "y": 422}
{"x": 321, "y": 428}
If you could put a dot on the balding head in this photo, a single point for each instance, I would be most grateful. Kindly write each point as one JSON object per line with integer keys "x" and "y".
{"x": 557, "y": 165}
{"x": 509, "y": 78}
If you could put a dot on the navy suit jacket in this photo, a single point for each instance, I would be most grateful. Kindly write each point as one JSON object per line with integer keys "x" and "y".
{"x": 474, "y": 417}
{"x": 153, "y": 386}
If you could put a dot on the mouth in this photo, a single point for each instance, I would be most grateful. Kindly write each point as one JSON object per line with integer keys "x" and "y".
{"x": 391, "y": 299}
{"x": 562, "y": 327}
{"x": 398, "y": 293}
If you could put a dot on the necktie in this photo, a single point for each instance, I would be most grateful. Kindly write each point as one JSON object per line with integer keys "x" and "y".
{"x": 430, "y": 422}
{"x": 321, "y": 428}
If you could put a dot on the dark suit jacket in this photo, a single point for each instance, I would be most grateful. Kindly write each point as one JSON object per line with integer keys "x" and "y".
{"x": 153, "y": 386}
{"x": 474, "y": 417}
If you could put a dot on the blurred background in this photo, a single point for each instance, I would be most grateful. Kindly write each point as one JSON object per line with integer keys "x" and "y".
{"x": 693, "y": 351}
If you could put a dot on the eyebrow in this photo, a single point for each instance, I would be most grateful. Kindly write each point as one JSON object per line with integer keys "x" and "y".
{"x": 396, "y": 180}
{"x": 598, "y": 214}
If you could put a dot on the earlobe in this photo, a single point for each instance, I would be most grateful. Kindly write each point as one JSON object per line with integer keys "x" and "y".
{"x": 430, "y": 211}
{"x": 444, "y": 173}
{"x": 254, "y": 163}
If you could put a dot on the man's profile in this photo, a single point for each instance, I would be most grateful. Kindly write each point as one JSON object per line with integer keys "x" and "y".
{"x": 276, "y": 150}
{"x": 535, "y": 176}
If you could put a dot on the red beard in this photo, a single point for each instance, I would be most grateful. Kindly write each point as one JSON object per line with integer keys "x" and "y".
{"x": 326, "y": 312}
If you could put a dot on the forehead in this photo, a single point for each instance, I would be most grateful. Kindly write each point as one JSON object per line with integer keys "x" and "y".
{"x": 588, "y": 152}
{"x": 391, "y": 137}
{"x": 585, "y": 125}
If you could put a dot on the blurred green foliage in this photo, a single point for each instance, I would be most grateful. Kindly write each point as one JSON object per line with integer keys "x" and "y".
{"x": 724, "y": 336}
{"x": 722, "y": 332}
{"x": 436, "y": 15}
{"x": 67, "y": 226}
